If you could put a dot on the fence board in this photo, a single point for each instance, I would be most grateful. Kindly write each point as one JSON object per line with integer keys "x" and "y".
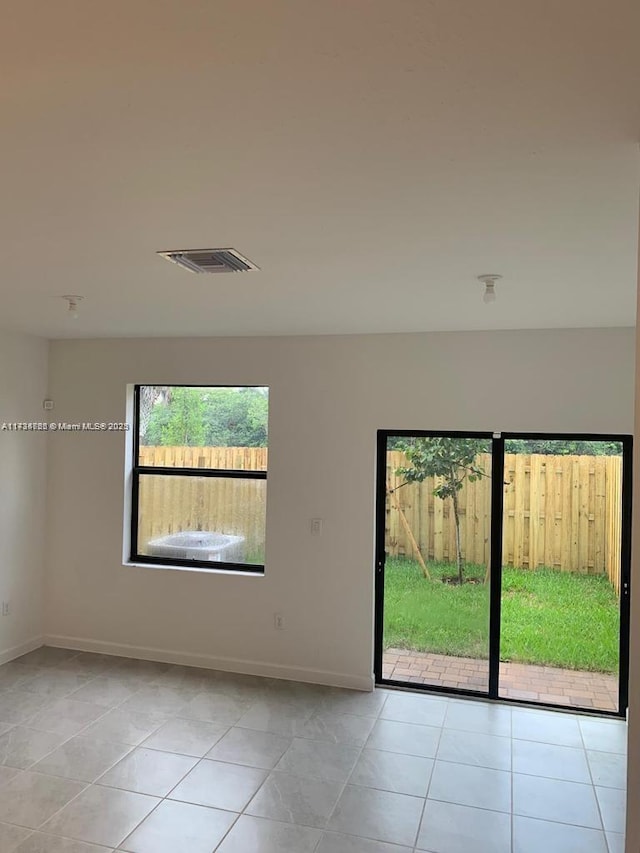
{"x": 599, "y": 512}
{"x": 613, "y": 536}
{"x": 535, "y": 497}
{"x": 549, "y": 504}
{"x": 519, "y": 509}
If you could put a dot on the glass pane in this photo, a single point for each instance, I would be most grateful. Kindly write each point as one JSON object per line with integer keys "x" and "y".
{"x": 204, "y": 427}
{"x": 560, "y": 622}
{"x": 437, "y": 539}
{"x": 202, "y": 518}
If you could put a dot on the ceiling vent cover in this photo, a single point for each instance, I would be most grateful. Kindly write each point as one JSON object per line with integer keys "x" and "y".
{"x": 209, "y": 260}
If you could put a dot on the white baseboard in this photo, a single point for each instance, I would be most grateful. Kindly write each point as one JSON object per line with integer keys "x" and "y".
{"x": 246, "y": 667}
{"x": 21, "y": 649}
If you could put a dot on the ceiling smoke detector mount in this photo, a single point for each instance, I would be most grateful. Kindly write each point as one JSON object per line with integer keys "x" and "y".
{"x": 73, "y": 301}
{"x": 489, "y": 281}
{"x": 209, "y": 260}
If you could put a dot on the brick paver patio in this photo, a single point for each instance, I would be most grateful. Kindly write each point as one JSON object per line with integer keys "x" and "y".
{"x": 517, "y": 680}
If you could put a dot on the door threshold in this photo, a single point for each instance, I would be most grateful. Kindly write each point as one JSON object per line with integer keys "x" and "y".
{"x": 452, "y": 693}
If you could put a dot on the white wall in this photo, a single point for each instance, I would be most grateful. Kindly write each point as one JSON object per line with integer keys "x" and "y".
{"x": 328, "y": 397}
{"x": 633, "y": 766}
{"x": 23, "y": 383}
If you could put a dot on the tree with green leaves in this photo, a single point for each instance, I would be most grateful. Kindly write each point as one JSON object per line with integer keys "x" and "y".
{"x": 179, "y": 422}
{"x": 236, "y": 417}
{"x": 204, "y": 416}
{"x": 563, "y": 447}
{"x": 452, "y": 460}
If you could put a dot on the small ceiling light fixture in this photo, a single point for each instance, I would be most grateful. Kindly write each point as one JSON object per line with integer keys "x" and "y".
{"x": 489, "y": 281}
{"x": 72, "y": 305}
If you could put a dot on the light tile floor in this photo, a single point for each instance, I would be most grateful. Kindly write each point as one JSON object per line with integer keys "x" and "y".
{"x": 99, "y": 754}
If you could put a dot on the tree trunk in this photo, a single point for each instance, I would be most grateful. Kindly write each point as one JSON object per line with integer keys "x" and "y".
{"x": 456, "y": 514}
{"x": 148, "y": 394}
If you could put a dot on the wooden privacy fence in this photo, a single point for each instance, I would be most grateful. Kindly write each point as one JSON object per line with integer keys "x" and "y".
{"x": 563, "y": 512}
{"x": 224, "y": 505}
{"x": 240, "y": 458}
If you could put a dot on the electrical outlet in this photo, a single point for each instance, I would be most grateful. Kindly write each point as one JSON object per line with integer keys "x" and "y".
{"x": 6, "y": 608}
{"x": 316, "y": 526}
{"x": 278, "y": 621}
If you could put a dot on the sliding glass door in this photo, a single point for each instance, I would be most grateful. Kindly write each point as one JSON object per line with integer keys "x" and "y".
{"x": 502, "y": 566}
{"x": 561, "y": 572}
{"x": 437, "y": 519}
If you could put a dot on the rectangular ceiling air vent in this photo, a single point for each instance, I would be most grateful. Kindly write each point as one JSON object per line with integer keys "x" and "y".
{"x": 209, "y": 260}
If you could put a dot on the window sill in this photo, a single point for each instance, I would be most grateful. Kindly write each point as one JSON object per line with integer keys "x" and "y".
{"x": 194, "y": 570}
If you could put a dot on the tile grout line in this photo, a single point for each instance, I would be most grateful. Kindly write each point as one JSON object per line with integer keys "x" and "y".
{"x": 433, "y": 770}
{"x": 512, "y": 829}
{"x": 593, "y": 787}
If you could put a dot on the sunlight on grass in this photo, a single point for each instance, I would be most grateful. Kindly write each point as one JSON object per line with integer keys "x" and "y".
{"x": 548, "y": 617}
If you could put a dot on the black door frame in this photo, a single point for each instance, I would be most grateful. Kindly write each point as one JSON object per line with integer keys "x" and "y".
{"x": 497, "y": 441}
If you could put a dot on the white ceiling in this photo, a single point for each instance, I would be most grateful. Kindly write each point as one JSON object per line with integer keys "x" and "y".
{"x": 371, "y": 156}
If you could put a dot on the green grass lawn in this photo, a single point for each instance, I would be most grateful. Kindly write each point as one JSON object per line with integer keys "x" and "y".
{"x": 548, "y": 617}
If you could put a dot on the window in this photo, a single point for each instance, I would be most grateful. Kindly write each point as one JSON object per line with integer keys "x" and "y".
{"x": 200, "y": 476}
